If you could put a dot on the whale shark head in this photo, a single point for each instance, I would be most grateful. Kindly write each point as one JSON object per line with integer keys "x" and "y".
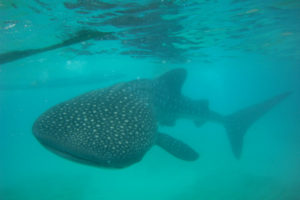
{"x": 110, "y": 127}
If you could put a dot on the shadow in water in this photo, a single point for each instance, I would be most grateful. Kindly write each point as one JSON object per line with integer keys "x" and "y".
{"x": 80, "y": 36}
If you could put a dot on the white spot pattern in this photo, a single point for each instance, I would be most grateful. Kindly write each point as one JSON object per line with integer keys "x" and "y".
{"x": 112, "y": 127}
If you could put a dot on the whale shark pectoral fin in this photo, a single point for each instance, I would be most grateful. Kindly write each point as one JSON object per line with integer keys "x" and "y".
{"x": 176, "y": 148}
{"x": 239, "y": 122}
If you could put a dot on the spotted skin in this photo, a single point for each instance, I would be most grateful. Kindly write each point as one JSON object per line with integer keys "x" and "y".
{"x": 112, "y": 127}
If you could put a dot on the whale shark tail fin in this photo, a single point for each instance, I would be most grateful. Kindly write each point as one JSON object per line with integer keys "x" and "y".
{"x": 239, "y": 122}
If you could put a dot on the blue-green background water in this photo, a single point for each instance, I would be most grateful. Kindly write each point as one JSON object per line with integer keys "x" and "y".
{"x": 236, "y": 53}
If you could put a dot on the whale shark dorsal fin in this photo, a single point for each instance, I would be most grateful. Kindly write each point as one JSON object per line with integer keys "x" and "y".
{"x": 176, "y": 147}
{"x": 174, "y": 80}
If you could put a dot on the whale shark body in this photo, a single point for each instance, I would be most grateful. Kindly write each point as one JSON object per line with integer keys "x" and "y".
{"x": 114, "y": 127}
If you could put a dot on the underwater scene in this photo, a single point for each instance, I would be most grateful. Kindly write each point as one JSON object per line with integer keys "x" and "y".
{"x": 150, "y": 99}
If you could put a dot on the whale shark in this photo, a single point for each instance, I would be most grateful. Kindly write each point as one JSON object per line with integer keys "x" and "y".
{"x": 115, "y": 127}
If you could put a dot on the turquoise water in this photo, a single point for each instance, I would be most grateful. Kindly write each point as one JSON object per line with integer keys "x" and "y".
{"x": 237, "y": 53}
